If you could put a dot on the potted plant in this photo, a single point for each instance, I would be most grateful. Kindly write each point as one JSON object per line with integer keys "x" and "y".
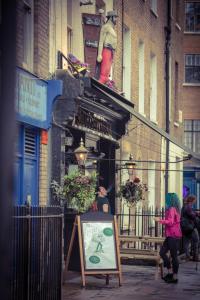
{"x": 77, "y": 192}
{"x": 133, "y": 191}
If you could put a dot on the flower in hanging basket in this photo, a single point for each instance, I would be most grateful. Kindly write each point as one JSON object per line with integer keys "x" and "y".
{"x": 133, "y": 191}
{"x": 78, "y": 191}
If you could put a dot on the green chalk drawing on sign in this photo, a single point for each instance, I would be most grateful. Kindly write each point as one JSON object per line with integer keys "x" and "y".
{"x": 108, "y": 231}
{"x": 94, "y": 259}
{"x": 99, "y": 239}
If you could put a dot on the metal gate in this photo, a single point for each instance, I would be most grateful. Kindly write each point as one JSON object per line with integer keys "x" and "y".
{"x": 36, "y": 253}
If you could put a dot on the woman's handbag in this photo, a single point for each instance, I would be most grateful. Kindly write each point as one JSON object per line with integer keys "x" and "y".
{"x": 187, "y": 225}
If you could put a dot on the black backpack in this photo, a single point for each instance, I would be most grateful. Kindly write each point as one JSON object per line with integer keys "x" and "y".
{"x": 187, "y": 224}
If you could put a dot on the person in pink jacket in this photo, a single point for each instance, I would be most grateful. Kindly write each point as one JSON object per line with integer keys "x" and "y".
{"x": 173, "y": 235}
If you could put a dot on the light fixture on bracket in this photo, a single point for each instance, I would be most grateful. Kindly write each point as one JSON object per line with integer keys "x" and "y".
{"x": 81, "y": 154}
{"x": 130, "y": 165}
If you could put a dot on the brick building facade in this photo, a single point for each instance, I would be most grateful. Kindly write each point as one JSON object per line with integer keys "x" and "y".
{"x": 146, "y": 22}
{"x": 139, "y": 70}
{"x": 191, "y": 94}
{"x": 32, "y": 49}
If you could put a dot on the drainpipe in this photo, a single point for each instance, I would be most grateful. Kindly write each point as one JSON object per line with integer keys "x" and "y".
{"x": 122, "y": 42}
{"x": 167, "y": 96}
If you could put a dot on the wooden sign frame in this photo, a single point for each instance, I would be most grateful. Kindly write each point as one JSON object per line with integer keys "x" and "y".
{"x": 100, "y": 219}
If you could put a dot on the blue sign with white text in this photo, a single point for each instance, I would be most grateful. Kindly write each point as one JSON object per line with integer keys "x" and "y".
{"x": 34, "y": 98}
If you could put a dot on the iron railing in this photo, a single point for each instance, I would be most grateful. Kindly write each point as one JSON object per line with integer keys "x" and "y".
{"x": 36, "y": 253}
{"x": 141, "y": 222}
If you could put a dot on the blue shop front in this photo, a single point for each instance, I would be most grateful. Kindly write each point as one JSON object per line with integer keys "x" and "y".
{"x": 191, "y": 181}
{"x": 34, "y": 99}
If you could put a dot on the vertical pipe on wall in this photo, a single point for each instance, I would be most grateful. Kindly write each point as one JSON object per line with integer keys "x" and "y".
{"x": 167, "y": 89}
{"x": 122, "y": 42}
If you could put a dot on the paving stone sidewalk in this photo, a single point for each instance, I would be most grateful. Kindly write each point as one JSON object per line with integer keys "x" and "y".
{"x": 138, "y": 284}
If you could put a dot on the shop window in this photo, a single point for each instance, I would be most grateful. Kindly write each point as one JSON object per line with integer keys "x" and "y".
{"x": 28, "y": 35}
{"x": 192, "y": 134}
{"x": 192, "y": 68}
{"x": 192, "y": 16}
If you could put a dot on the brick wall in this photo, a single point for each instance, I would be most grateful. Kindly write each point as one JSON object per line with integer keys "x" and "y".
{"x": 19, "y": 33}
{"x": 43, "y": 175}
{"x": 41, "y": 38}
{"x": 191, "y": 93}
{"x": 144, "y": 25}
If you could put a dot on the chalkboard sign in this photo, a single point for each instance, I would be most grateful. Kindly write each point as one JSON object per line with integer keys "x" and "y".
{"x": 98, "y": 245}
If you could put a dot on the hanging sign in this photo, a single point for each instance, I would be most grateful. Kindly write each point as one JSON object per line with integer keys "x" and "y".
{"x": 34, "y": 98}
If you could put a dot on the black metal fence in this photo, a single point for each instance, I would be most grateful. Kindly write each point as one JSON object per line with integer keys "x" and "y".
{"x": 141, "y": 222}
{"x": 36, "y": 253}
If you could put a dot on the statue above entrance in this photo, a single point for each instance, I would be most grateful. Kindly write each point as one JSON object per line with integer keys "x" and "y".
{"x": 107, "y": 46}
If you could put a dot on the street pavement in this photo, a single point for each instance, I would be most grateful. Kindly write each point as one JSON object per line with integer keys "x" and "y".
{"x": 139, "y": 283}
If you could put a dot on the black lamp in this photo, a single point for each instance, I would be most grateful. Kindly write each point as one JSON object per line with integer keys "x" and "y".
{"x": 81, "y": 154}
{"x": 130, "y": 165}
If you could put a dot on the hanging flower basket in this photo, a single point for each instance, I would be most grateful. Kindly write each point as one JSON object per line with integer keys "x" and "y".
{"x": 78, "y": 191}
{"x": 133, "y": 191}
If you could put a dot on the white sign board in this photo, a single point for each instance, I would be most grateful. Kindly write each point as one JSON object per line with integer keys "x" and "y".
{"x": 99, "y": 245}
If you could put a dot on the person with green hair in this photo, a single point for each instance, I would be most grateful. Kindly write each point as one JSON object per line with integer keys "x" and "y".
{"x": 173, "y": 235}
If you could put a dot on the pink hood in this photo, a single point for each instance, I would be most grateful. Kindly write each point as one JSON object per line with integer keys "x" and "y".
{"x": 172, "y": 223}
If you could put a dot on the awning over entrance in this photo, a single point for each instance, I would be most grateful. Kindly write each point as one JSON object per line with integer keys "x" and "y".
{"x": 90, "y": 106}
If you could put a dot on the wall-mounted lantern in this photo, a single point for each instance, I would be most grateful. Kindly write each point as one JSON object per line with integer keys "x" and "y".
{"x": 81, "y": 154}
{"x": 130, "y": 166}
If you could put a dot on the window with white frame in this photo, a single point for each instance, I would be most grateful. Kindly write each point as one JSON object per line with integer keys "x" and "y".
{"x": 192, "y": 134}
{"x": 176, "y": 91}
{"x": 141, "y": 76}
{"x": 151, "y": 184}
{"x": 154, "y": 5}
{"x": 192, "y": 68}
{"x": 153, "y": 88}
{"x": 170, "y": 86}
{"x": 28, "y": 34}
{"x": 69, "y": 26}
{"x": 192, "y": 16}
{"x": 127, "y": 62}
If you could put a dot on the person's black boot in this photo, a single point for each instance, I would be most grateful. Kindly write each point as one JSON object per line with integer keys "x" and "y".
{"x": 172, "y": 280}
{"x": 168, "y": 276}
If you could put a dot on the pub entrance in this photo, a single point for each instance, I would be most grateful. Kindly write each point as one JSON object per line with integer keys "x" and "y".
{"x": 101, "y": 159}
